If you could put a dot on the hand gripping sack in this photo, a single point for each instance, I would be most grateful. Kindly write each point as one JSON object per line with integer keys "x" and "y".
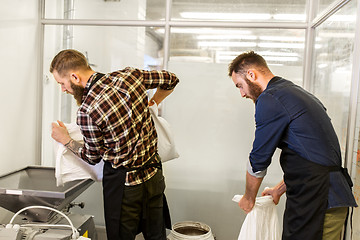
{"x": 262, "y": 222}
{"x": 166, "y": 144}
{"x": 70, "y": 167}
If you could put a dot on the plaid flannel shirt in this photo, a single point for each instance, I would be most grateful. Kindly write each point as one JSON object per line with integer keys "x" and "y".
{"x": 115, "y": 121}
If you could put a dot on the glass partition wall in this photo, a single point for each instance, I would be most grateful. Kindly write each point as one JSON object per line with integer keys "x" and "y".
{"x": 197, "y": 39}
{"x": 332, "y": 66}
{"x": 234, "y": 10}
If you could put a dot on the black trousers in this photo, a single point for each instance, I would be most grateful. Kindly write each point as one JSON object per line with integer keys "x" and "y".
{"x": 134, "y": 209}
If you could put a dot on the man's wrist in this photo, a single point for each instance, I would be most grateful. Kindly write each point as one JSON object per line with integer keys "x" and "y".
{"x": 249, "y": 197}
{"x": 74, "y": 147}
{"x": 66, "y": 143}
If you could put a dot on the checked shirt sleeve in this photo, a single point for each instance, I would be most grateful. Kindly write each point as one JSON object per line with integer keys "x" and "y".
{"x": 93, "y": 139}
{"x": 162, "y": 79}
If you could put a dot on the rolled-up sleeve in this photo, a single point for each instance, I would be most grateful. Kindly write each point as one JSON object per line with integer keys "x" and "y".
{"x": 271, "y": 119}
{"x": 258, "y": 174}
{"x": 162, "y": 79}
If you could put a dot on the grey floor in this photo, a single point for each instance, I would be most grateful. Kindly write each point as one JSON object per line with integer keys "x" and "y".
{"x": 102, "y": 234}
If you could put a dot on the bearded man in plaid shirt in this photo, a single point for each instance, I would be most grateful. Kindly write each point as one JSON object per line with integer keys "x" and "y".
{"x": 115, "y": 122}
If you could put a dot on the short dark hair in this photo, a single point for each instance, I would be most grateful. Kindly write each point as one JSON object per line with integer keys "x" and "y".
{"x": 67, "y": 60}
{"x": 246, "y": 60}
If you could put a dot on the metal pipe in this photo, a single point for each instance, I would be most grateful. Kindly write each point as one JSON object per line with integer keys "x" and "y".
{"x": 68, "y": 36}
{"x": 39, "y": 100}
{"x": 68, "y": 29}
{"x": 309, "y": 46}
{"x": 144, "y": 23}
{"x": 93, "y": 22}
{"x": 333, "y": 8}
{"x": 166, "y": 44}
{"x": 242, "y": 24}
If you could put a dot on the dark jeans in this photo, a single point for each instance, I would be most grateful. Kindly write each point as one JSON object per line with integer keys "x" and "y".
{"x": 141, "y": 210}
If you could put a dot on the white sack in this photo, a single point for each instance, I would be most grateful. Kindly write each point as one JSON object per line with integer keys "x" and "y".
{"x": 262, "y": 222}
{"x": 166, "y": 144}
{"x": 69, "y": 167}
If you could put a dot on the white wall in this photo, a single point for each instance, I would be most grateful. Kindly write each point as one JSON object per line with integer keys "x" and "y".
{"x": 19, "y": 80}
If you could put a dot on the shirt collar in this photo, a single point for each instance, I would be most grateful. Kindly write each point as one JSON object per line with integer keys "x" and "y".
{"x": 272, "y": 82}
{"x": 88, "y": 84}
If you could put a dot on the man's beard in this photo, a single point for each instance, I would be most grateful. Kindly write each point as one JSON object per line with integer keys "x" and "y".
{"x": 78, "y": 92}
{"x": 254, "y": 89}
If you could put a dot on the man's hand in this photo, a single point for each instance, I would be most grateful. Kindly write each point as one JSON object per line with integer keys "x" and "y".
{"x": 247, "y": 203}
{"x": 60, "y": 133}
{"x": 152, "y": 102}
{"x": 275, "y": 192}
{"x": 159, "y": 96}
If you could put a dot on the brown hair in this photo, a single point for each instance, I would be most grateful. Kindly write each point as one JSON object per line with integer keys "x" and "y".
{"x": 67, "y": 60}
{"x": 246, "y": 60}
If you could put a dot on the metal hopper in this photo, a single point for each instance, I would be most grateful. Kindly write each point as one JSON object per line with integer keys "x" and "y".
{"x": 36, "y": 185}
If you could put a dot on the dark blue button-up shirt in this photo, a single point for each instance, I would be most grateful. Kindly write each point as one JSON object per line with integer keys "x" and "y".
{"x": 288, "y": 116}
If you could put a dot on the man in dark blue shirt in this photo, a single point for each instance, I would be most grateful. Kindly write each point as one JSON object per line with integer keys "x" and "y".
{"x": 318, "y": 189}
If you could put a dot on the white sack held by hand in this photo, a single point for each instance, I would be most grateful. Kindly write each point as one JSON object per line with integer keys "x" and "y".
{"x": 166, "y": 144}
{"x": 69, "y": 167}
{"x": 262, "y": 222}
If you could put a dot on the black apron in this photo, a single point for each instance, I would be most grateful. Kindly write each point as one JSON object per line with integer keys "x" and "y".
{"x": 307, "y": 189}
{"x": 113, "y": 191}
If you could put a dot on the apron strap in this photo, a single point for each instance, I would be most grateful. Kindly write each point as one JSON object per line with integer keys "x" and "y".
{"x": 334, "y": 168}
{"x": 344, "y": 171}
{"x": 351, "y": 223}
{"x": 97, "y": 78}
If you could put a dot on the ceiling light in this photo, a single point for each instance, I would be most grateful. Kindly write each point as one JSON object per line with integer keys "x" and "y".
{"x": 281, "y": 59}
{"x": 322, "y": 65}
{"x": 226, "y": 44}
{"x": 205, "y": 31}
{"x": 285, "y": 54}
{"x": 290, "y": 17}
{"x": 282, "y": 38}
{"x": 267, "y": 58}
{"x": 262, "y": 53}
{"x": 249, "y": 37}
{"x": 226, "y": 16}
{"x": 281, "y": 45}
{"x": 275, "y": 64}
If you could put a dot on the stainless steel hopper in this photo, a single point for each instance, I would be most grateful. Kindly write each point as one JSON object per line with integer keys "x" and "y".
{"x": 36, "y": 185}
